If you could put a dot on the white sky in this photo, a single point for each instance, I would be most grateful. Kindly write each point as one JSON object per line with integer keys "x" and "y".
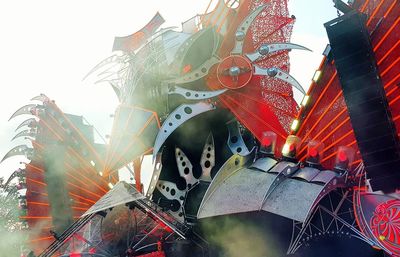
{"x": 48, "y": 46}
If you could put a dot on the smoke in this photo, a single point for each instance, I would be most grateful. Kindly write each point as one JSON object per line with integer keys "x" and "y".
{"x": 234, "y": 237}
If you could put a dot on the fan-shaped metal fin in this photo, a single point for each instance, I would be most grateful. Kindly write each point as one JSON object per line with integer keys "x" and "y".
{"x": 26, "y": 109}
{"x": 26, "y": 122}
{"x": 280, "y": 74}
{"x": 193, "y": 94}
{"x": 18, "y": 150}
{"x": 171, "y": 192}
{"x": 243, "y": 28}
{"x": 207, "y": 160}
{"x": 185, "y": 168}
{"x": 235, "y": 141}
{"x": 265, "y": 49}
{"x": 27, "y": 133}
{"x": 179, "y": 116}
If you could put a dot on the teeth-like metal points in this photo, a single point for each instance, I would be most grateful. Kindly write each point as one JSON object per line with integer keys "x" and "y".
{"x": 243, "y": 28}
{"x": 171, "y": 192}
{"x": 265, "y": 49}
{"x": 18, "y": 150}
{"x": 179, "y": 116}
{"x": 185, "y": 168}
{"x": 235, "y": 140}
{"x": 195, "y": 95}
{"x": 27, "y": 122}
{"x": 27, "y": 133}
{"x": 207, "y": 160}
{"x": 279, "y": 74}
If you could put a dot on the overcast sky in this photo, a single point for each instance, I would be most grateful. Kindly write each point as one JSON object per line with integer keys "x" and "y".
{"x": 48, "y": 46}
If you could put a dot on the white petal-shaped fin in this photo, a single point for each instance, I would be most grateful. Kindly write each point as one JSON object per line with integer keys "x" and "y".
{"x": 42, "y": 97}
{"x": 193, "y": 94}
{"x": 243, "y": 28}
{"x": 179, "y": 116}
{"x": 265, "y": 49}
{"x": 27, "y": 109}
{"x": 27, "y": 122}
{"x": 18, "y": 150}
{"x": 207, "y": 160}
{"x": 280, "y": 74}
{"x": 171, "y": 192}
{"x": 235, "y": 140}
{"x": 185, "y": 168}
{"x": 27, "y": 133}
{"x": 196, "y": 74}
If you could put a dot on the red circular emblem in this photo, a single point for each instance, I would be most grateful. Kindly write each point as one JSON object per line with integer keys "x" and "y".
{"x": 234, "y": 72}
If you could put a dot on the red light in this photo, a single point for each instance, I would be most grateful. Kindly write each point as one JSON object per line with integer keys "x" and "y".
{"x": 266, "y": 142}
{"x": 292, "y": 147}
{"x": 187, "y": 68}
{"x": 75, "y": 255}
{"x": 313, "y": 152}
{"x": 342, "y": 156}
{"x": 92, "y": 250}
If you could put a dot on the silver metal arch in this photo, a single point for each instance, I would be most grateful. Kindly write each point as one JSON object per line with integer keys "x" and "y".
{"x": 179, "y": 116}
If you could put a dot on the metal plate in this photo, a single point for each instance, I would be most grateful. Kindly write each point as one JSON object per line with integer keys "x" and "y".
{"x": 324, "y": 176}
{"x": 207, "y": 160}
{"x": 280, "y": 74}
{"x": 264, "y": 164}
{"x": 179, "y": 116}
{"x": 235, "y": 140}
{"x": 306, "y": 173}
{"x": 233, "y": 164}
{"x": 293, "y": 199}
{"x": 185, "y": 168}
{"x": 244, "y": 27}
{"x": 241, "y": 192}
{"x": 281, "y": 165}
{"x": 273, "y": 48}
{"x": 193, "y": 94}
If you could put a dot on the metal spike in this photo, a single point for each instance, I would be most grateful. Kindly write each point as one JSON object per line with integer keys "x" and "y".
{"x": 207, "y": 160}
{"x": 280, "y": 74}
{"x": 265, "y": 49}
{"x": 185, "y": 168}
{"x": 26, "y": 109}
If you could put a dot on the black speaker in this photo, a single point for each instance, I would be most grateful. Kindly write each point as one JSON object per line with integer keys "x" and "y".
{"x": 366, "y": 100}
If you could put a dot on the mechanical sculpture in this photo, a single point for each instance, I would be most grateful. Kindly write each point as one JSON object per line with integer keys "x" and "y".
{"x": 239, "y": 167}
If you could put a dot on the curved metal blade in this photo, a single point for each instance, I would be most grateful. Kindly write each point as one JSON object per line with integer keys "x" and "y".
{"x": 42, "y": 97}
{"x": 171, "y": 192}
{"x": 185, "y": 168}
{"x": 265, "y": 49}
{"x": 27, "y": 122}
{"x": 207, "y": 160}
{"x": 18, "y": 150}
{"x": 179, "y": 116}
{"x": 280, "y": 74}
{"x": 243, "y": 28}
{"x": 196, "y": 74}
{"x": 23, "y": 110}
{"x": 26, "y": 133}
{"x": 193, "y": 94}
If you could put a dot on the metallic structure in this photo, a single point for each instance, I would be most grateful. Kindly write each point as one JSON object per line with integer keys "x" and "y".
{"x": 236, "y": 159}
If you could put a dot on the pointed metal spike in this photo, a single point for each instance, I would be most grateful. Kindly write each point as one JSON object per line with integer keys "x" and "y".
{"x": 243, "y": 28}
{"x": 280, "y": 74}
{"x": 265, "y": 49}
{"x": 207, "y": 160}
{"x": 185, "y": 168}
